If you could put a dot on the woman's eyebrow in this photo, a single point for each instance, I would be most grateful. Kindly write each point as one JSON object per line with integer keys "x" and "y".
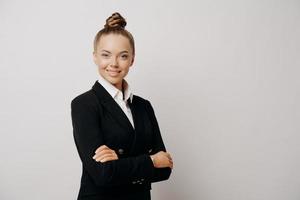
{"x": 125, "y": 51}
{"x": 106, "y": 51}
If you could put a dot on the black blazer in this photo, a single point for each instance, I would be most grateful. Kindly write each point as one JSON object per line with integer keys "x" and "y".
{"x": 97, "y": 120}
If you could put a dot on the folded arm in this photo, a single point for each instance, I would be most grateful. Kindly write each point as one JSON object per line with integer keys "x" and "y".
{"x": 87, "y": 136}
{"x": 159, "y": 174}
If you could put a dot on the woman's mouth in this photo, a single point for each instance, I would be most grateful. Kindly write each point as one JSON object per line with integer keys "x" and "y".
{"x": 113, "y": 73}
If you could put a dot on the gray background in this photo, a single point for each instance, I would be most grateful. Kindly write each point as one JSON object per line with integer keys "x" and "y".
{"x": 223, "y": 77}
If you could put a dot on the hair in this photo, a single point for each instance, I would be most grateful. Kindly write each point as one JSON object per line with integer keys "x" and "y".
{"x": 115, "y": 24}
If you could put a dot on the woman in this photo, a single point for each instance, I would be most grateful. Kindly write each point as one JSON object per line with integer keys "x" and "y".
{"x": 116, "y": 133}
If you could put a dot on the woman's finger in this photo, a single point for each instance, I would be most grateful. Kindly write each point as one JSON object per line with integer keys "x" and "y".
{"x": 103, "y": 158}
{"x": 108, "y": 158}
{"x": 171, "y": 164}
{"x": 105, "y": 151}
{"x": 104, "y": 154}
{"x": 102, "y": 147}
{"x": 169, "y": 156}
{"x": 100, "y": 157}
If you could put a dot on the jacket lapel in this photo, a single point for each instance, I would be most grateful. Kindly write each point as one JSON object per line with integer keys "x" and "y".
{"x": 113, "y": 107}
{"x": 137, "y": 118}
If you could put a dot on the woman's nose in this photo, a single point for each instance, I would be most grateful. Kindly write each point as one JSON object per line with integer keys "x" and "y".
{"x": 114, "y": 62}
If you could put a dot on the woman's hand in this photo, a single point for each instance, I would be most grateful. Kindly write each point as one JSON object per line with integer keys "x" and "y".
{"x": 104, "y": 154}
{"x": 162, "y": 159}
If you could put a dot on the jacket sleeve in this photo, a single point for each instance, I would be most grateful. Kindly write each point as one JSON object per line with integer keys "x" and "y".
{"x": 87, "y": 136}
{"x": 160, "y": 174}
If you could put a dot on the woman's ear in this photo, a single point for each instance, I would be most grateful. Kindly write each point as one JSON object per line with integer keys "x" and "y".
{"x": 132, "y": 61}
{"x": 95, "y": 57}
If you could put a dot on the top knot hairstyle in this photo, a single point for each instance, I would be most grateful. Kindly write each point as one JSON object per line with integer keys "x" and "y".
{"x": 115, "y": 20}
{"x": 115, "y": 24}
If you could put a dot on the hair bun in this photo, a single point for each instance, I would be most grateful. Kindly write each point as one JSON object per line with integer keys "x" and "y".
{"x": 115, "y": 21}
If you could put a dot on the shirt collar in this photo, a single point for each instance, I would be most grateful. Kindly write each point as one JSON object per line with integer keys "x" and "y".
{"x": 115, "y": 92}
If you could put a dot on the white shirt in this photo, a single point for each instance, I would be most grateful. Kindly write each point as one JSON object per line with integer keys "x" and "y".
{"x": 117, "y": 95}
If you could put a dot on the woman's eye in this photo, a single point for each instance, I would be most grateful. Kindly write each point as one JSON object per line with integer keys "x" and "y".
{"x": 124, "y": 56}
{"x": 104, "y": 55}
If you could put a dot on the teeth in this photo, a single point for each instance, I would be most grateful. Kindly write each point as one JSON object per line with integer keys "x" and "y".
{"x": 113, "y": 71}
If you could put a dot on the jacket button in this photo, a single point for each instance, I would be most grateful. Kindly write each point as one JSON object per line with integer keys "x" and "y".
{"x": 121, "y": 151}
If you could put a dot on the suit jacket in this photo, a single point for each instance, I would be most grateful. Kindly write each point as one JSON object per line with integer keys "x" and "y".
{"x": 98, "y": 120}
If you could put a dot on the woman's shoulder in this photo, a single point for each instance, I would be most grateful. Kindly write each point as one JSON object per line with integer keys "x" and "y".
{"x": 145, "y": 103}
{"x": 140, "y": 99}
{"x": 87, "y": 98}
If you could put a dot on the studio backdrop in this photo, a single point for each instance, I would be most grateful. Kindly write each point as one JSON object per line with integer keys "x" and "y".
{"x": 222, "y": 76}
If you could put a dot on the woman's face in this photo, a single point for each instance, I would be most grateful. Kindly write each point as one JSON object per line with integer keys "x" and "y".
{"x": 113, "y": 57}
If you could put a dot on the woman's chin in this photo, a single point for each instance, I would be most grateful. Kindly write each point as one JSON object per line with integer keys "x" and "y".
{"x": 114, "y": 80}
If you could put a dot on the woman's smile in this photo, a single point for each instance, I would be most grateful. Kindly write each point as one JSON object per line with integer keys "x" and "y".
{"x": 113, "y": 73}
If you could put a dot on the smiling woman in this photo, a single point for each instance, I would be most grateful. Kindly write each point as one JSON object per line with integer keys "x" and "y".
{"x": 113, "y": 56}
{"x": 116, "y": 132}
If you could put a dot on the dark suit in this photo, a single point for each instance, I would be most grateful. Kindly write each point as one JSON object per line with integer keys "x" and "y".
{"x": 97, "y": 120}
